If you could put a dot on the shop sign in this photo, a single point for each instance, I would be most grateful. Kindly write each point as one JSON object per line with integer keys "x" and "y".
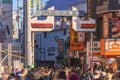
{"x": 41, "y": 25}
{"x": 74, "y": 42}
{"x": 95, "y": 48}
{"x": 94, "y": 54}
{"x": 60, "y": 45}
{"x": 77, "y": 46}
{"x": 112, "y": 45}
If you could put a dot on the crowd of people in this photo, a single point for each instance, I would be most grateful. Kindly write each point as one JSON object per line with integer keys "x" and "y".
{"x": 96, "y": 72}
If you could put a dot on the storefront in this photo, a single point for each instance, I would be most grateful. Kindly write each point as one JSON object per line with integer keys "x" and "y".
{"x": 110, "y": 49}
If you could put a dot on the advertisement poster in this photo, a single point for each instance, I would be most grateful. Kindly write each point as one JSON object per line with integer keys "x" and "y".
{"x": 115, "y": 25}
{"x": 60, "y": 45}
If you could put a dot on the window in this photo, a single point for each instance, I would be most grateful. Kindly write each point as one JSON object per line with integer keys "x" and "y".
{"x": 7, "y": 27}
{"x": 64, "y": 31}
{"x": 45, "y": 35}
{"x": 95, "y": 44}
{"x": 50, "y": 54}
{"x": 118, "y": 1}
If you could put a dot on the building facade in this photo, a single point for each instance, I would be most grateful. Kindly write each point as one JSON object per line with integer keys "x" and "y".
{"x": 49, "y": 45}
{"x": 106, "y": 13}
{"x": 107, "y": 29}
{"x": 58, "y": 40}
{"x": 6, "y": 21}
{"x": 108, "y": 17}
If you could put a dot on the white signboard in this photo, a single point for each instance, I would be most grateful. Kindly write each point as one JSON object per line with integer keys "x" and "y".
{"x": 83, "y": 25}
{"x": 43, "y": 25}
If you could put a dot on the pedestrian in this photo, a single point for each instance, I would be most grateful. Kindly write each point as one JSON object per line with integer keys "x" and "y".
{"x": 5, "y": 77}
{"x": 109, "y": 74}
{"x": 96, "y": 75}
{"x": 12, "y": 77}
{"x": 23, "y": 74}
{"x": 73, "y": 76}
{"x": 1, "y": 72}
{"x": 61, "y": 76}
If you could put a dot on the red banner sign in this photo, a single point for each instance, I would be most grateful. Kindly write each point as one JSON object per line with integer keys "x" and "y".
{"x": 41, "y": 25}
{"x": 84, "y": 25}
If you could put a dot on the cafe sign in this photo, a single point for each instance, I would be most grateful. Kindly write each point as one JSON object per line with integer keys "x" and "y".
{"x": 112, "y": 45}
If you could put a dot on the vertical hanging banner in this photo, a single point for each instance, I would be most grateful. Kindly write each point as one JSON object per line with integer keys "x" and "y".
{"x": 31, "y": 3}
{"x": 74, "y": 44}
{"x": 60, "y": 45}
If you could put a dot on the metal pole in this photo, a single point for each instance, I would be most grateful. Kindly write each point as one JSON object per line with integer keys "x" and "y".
{"x": 32, "y": 45}
{"x": 9, "y": 56}
{"x": 19, "y": 36}
{"x": 3, "y": 60}
{"x": 91, "y": 48}
{"x": 18, "y": 7}
{"x": 24, "y": 30}
{"x": 28, "y": 47}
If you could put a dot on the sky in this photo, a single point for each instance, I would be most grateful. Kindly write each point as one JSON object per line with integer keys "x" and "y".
{"x": 58, "y": 4}
{"x": 21, "y": 3}
{"x": 62, "y": 4}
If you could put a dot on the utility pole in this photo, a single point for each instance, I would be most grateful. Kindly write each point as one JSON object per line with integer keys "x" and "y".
{"x": 28, "y": 41}
{"x": 19, "y": 27}
{"x": 91, "y": 51}
{"x": 9, "y": 56}
{"x": 18, "y": 16}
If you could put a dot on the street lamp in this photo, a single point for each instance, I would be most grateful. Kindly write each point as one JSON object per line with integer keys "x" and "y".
{"x": 62, "y": 21}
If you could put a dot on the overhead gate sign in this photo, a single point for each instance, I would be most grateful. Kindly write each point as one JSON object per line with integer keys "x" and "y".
{"x": 74, "y": 44}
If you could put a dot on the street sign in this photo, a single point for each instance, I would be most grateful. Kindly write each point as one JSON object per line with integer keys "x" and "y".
{"x": 60, "y": 13}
